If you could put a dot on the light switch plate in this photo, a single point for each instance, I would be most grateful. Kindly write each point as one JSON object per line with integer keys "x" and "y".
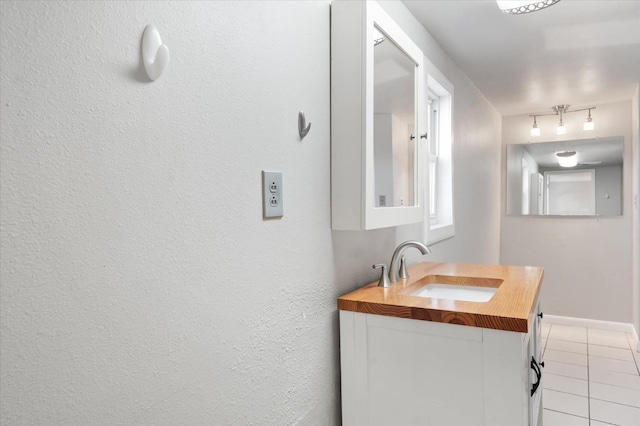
{"x": 272, "y": 194}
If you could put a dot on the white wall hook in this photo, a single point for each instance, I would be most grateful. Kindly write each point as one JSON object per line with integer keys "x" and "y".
{"x": 303, "y": 127}
{"x": 155, "y": 55}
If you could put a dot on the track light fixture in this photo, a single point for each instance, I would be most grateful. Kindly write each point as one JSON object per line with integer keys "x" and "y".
{"x": 562, "y": 129}
{"x": 559, "y": 109}
{"x": 589, "y": 124}
{"x": 535, "y": 130}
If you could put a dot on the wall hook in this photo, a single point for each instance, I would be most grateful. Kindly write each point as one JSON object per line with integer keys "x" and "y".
{"x": 155, "y": 55}
{"x": 303, "y": 127}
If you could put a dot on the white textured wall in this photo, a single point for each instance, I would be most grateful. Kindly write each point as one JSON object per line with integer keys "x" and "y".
{"x": 587, "y": 261}
{"x": 139, "y": 282}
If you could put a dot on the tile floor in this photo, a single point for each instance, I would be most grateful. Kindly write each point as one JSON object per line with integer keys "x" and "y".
{"x": 591, "y": 377}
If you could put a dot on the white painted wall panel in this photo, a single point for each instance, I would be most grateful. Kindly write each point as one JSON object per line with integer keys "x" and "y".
{"x": 139, "y": 282}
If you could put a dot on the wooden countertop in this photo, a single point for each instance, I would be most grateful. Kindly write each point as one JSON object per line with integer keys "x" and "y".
{"x": 510, "y": 308}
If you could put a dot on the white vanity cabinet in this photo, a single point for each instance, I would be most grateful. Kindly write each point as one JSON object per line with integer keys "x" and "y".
{"x": 398, "y": 371}
{"x": 378, "y": 120}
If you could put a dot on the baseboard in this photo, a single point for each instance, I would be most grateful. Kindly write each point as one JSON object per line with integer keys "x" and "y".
{"x": 590, "y": 323}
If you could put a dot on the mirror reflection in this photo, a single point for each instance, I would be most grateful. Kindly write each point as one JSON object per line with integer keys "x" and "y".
{"x": 394, "y": 124}
{"x": 577, "y": 177}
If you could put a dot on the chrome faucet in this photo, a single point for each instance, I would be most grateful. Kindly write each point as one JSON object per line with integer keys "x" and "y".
{"x": 395, "y": 272}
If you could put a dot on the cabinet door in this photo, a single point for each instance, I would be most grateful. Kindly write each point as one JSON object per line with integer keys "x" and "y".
{"x": 407, "y": 372}
{"x": 377, "y": 117}
{"x": 417, "y": 377}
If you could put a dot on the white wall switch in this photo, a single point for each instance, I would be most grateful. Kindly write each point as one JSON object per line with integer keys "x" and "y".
{"x": 272, "y": 194}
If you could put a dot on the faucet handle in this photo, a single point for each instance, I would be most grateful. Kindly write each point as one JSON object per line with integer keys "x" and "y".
{"x": 403, "y": 268}
{"x": 384, "y": 277}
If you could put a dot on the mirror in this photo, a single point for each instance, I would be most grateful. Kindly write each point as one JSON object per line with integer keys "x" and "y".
{"x": 538, "y": 185}
{"x": 394, "y": 127}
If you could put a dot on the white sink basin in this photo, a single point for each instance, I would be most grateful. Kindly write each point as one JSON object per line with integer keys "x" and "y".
{"x": 456, "y": 292}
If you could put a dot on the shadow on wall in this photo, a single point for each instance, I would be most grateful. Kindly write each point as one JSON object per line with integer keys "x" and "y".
{"x": 354, "y": 252}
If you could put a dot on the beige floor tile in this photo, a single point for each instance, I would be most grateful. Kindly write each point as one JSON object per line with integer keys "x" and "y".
{"x": 615, "y": 353}
{"x": 555, "y": 418}
{"x": 566, "y": 357}
{"x": 616, "y": 414}
{"x": 570, "y": 334}
{"x": 631, "y": 381}
{"x": 628, "y": 367}
{"x": 615, "y": 394}
{"x": 614, "y": 342}
{"x": 589, "y": 372}
{"x": 567, "y": 370}
{"x": 561, "y": 345}
{"x": 591, "y": 332}
{"x": 565, "y": 384}
{"x": 566, "y": 403}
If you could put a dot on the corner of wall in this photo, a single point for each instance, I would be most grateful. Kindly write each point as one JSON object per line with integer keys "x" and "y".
{"x": 635, "y": 147}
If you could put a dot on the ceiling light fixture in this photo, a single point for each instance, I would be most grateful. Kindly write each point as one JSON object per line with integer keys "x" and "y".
{"x": 567, "y": 158}
{"x": 518, "y": 7}
{"x": 535, "y": 130}
{"x": 589, "y": 124}
{"x": 560, "y": 110}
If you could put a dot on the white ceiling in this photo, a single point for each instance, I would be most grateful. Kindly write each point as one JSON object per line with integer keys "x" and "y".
{"x": 576, "y": 52}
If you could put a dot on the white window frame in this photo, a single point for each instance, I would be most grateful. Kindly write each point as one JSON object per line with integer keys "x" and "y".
{"x": 439, "y": 218}
{"x": 432, "y": 142}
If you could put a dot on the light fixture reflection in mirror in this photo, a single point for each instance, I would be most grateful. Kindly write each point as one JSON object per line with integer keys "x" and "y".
{"x": 591, "y": 185}
{"x": 562, "y": 130}
{"x": 567, "y": 158}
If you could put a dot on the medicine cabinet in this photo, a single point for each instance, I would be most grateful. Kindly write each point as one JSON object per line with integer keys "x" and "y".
{"x": 378, "y": 134}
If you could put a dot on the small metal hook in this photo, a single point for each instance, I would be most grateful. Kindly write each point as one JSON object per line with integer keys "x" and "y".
{"x": 303, "y": 127}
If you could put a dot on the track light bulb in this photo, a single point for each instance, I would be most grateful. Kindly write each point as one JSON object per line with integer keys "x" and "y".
{"x": 589, "y": 124}
{"x": 561, "y": 130}
{"x": 535, "y": 130}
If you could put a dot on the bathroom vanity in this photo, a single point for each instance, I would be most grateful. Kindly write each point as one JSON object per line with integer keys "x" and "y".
{"x": 453, "y": 344}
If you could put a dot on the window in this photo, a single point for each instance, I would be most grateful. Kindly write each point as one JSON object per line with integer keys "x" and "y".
{"x": 439, "y": 223}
